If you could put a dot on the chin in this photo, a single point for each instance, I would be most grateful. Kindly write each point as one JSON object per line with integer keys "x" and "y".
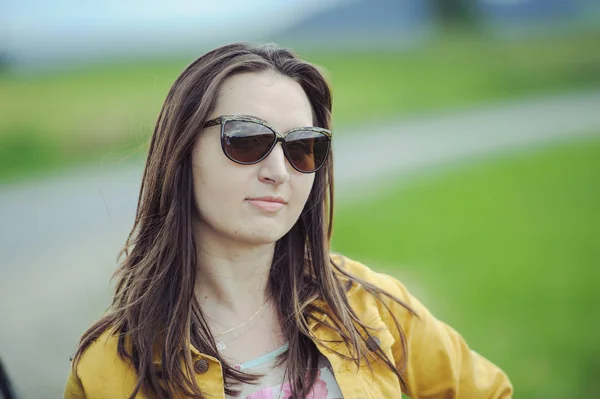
{"x": 262, "y": 237}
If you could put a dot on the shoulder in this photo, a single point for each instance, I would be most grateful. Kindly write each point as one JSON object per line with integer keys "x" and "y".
{"x": 103, "y": 351}
{"x": 100, "y": 370}
{"x": 391, "y": 296}
{"x": 360, "y": 271}
{"x": 381, "y": 302}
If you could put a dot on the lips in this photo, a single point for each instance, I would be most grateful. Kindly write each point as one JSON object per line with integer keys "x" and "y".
{"x": 268, "y": 204}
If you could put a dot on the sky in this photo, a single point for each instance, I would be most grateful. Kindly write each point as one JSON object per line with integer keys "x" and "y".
{"x": 42, "y": 29}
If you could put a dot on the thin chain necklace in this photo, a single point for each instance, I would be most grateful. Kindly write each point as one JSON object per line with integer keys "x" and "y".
{"x": 220, "y": 344}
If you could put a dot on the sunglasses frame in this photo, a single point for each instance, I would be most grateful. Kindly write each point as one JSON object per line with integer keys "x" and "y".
{"x": 223, "y": 119}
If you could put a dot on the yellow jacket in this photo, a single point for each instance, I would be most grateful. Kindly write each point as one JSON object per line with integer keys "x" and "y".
{"x": 440, "y": 364}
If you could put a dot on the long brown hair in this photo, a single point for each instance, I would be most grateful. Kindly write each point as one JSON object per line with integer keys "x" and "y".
{"x": 154, "y": 300}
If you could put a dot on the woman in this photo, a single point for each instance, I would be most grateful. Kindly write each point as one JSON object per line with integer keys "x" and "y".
{"x": 228, "y": 288}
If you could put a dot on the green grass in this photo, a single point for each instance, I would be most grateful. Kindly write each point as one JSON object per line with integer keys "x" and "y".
{"x": 458, "y": 72}
{"x": 60, "y": 118}
{"x": 507, "y": 252}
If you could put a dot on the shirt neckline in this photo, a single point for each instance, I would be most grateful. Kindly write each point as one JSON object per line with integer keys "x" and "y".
{"x": 263, "y": 359}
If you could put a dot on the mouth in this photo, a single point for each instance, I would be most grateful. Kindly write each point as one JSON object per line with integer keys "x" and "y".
{"x": 268, "y": 204}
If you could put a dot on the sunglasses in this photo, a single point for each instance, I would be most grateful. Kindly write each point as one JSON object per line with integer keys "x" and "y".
{"x": 247, "y": 140}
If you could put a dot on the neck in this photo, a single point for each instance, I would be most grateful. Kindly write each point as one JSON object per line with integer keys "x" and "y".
{"x": 232, "y": 276}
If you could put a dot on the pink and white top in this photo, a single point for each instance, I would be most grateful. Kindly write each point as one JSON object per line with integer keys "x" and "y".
{"x": 272, "y": 385}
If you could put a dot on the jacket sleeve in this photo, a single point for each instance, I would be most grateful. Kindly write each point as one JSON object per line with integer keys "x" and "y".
{"x": 73, "y": 388}
{"x": 440, "y": 364}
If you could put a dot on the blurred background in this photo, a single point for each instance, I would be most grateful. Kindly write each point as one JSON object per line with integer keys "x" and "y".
{"x": 467, "y": 145}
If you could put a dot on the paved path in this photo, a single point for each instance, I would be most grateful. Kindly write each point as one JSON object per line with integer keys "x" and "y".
{"x": 59, "y": 237}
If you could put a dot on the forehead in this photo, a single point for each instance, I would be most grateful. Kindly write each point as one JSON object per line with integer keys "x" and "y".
{"x": 272, "y": 97}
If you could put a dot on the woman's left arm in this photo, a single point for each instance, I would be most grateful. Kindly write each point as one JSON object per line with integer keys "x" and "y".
{"x": 440, "y": 364}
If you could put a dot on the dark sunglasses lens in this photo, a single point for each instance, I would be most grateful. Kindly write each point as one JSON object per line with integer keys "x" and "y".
{"x": 246, "y": 142}
{"x": 307, "y": 150}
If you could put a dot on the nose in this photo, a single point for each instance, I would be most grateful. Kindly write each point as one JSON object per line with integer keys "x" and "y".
{"x": 274, "y": 168}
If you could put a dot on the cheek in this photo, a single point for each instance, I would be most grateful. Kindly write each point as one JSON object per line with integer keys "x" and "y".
{"x": 216, "y": 183}
{"x": 217, "y": 188}
{"x": 302, "y": 187}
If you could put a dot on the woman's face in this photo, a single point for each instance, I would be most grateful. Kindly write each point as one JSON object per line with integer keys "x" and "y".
{"x": 226, "y": 192}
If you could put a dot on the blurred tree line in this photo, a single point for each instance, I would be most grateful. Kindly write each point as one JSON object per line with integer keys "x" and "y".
{"x": 453, "y": 13}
